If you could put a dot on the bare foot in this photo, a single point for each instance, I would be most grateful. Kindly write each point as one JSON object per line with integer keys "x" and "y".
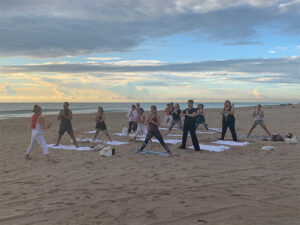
{"x": 56, "y": 145}
{"x": 28, "y": 157}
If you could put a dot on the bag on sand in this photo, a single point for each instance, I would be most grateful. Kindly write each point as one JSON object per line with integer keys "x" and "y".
{"x": 98, "y": 147}
{"x": 124, "y": 130}
{"x": 290, "y": 139}
{"x": 277, "y": 137}
{"x": 107, "y": 151}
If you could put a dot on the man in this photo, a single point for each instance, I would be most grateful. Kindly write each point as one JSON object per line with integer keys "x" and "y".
{"x": 65, "y": 116}
{"x": 189, "y": 126}
{"x": 132, "y": 115}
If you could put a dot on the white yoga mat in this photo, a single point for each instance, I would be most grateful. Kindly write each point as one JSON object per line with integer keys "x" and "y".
{"x": 120, "y": 134}
{"x": 91, "y": 132}
{"x": 255, "y": 136}
{"x": 175, "y": 135}
{"x": 216, "y": 129}
{"x": 69, "y": 147}
{"x": 167, "y": 141}
{"x": 211, "y": 148}
{"x": 205, "y": 132}
{"x": 165, "y": 128}
{"x": 90, "y": 140}
{"x": 232, "y": 143}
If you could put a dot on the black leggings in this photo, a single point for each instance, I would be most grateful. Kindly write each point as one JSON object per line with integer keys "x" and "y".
{"x": 229, "y": 122}
{"x": 158, "y": 136}
{"x": 132, "y": 126}
{"x": 192, "y": 129}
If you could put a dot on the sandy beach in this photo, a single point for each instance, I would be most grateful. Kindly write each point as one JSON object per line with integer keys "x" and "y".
{"x": 239, "y": 186}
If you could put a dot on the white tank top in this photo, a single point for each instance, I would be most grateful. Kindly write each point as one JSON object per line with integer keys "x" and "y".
{"x": 38, "y": 127}
{"x": 258, "y": 116}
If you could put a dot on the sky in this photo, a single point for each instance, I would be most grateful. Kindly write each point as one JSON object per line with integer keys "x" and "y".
{"x": 154, "y": 50}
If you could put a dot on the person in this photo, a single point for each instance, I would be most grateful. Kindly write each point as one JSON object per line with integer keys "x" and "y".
{"x": 168, "y": 116}
{"x": 200, "y": 119}
{"x": 189, "y": 125}
{"x": 65, "y": 117}
{"x": 132, "y": 118}
{"x": 153, "y": 122}
{"x": 176, "y": 119}
{"x": 258, "y": 116}
{"x": 138, "y": 106}
{"x": 228, "y": 120}
{"x": 38, "y": 125}
{"x": 140, "y": 120}
{"x": 100, "y": 124}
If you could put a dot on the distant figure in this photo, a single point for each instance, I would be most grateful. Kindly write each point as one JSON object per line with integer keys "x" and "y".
{"x": 153, "y": 122}
{"x": 138, "y": 106}
{"x": 200, "y": 119}
{"x": 176, "y": 119}
{"x": 65, "y": 117}
{"x": 258, "y": 116}
{"x": 189, "y": 126}
{"x": 38, "y": 124}
{"x": 140, "y": 120}
{"x": 100, "y": 125}
{"x": 168, "y": 117}
{"x": 132, "y": 114}
{"x": 228, "y": 120}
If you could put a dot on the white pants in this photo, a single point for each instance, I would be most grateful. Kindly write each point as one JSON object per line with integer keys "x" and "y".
{"x": 141, "y": 129}
{"x": 37, "y": 137}
{"x": 167, "y": 120}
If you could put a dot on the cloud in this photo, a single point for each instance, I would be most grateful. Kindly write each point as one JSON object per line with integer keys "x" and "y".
{"x": 256, "y": 93}
{"x": 73, "y": 27}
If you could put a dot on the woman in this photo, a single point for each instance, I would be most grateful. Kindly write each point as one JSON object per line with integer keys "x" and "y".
{"x": 258, "y": 116}
{"x": 228, "y": 120}
{"x": 189, "y": 126}
{"x": 140, "y": 120}
{"x": 38, "y": 124}
{"x": 153, "y": 122}
{"x": 175, "y": 118}
{"x": 200, "y": 119}
{"x": 65, "y": 117}
{"x": 100, "y": 125}
{"x": 132, "y": 118}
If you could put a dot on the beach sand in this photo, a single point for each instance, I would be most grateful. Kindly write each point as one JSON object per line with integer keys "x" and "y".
{"x": 240, "y": 186}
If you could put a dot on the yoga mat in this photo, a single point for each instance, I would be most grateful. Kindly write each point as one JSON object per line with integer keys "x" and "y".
{"x": 175, "y": 135}
{"x": 232, "y": 143}
{"x": 90, "y": 140}
{"x": 165, "y": 128}
{"x": 120, "y": 134}
{"x": 211, "y": 148}
{"x": 205, "y": 132}
{"x": 164, "y": 154}
{"x": 255, "y": 136}
{"x": 69, "y": 147}
{"x": 216, "y": 129}
{"x": 167, "y": 141}
{"x": 91, "y": 132}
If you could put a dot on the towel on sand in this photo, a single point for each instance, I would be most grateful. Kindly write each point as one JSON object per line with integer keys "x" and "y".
{"x": 255, "y": 136}
{"x": 167, "y": 141}
{"x": 216, "y": 129}
{"x": 69, "y": 147}
{"x": 232, "y": 143}
{"x": 205, "y": 132}
{"x": 87, "y": 140}
{"x": 164, "y": 154}
{"x": 91, "y": 132}
{"x": 212, "y": 148}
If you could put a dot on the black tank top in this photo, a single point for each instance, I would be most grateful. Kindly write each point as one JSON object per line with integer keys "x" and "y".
{"x": 100, "y": 124}
{"x": 153, "y": 127}
{"x": 64, "y": 121}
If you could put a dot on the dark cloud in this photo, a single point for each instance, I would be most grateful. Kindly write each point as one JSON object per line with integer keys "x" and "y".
{"x": 64, "y": 27}
{"x": 277, "y": 70}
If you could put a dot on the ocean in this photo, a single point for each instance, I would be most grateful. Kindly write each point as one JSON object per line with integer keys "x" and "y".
{"x": 15, "y": 110}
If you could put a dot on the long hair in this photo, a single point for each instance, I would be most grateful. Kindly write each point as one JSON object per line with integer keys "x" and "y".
{"x": 154, "y": 107}
{"x": 229, "y": 104}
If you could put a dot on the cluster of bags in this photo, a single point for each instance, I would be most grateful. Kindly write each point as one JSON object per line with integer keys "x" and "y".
{"x": 290, "y": 138}
{"x": 105, "y": 151}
